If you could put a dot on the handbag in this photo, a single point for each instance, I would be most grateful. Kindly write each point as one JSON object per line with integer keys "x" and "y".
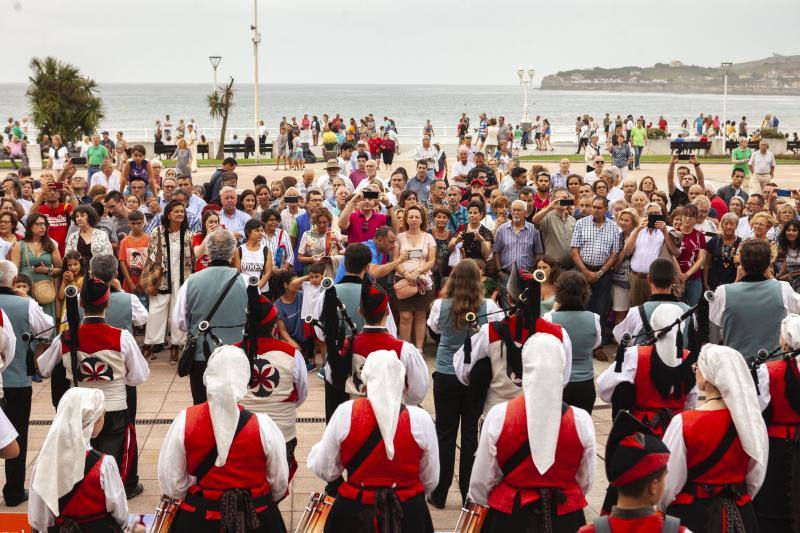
{"x": 186, "y": 361}
{"x": 404, "y": 289}
{"x": 150, "y": 279}
{"x": 43, "y": 291}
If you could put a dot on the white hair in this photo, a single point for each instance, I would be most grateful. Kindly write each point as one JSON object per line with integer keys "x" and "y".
{"x": 221, "y": 245}
{"x": 519, "y": 203}
{"x": 8, "y": 271}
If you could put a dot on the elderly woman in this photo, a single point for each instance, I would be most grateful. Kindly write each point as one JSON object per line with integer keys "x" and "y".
{"x": 736, "y": 206}
{"x": 171, "y": 248}
{"x": 720, "y": 267}
{"x": 88, "y": 240}
{"x": 704, "y": 224}
{"x": 628, "y": 221}
{"x": 786, "y": 212}
{"x": 321, "y": 243}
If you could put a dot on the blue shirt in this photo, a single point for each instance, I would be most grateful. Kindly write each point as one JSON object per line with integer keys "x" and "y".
{"x": 378, "y": 258}
{"x": 458, "y": 219}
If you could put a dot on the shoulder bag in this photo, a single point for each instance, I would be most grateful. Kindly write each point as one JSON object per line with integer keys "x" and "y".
{"x": 43, "y": 291}
{"x": 150, "y": 279}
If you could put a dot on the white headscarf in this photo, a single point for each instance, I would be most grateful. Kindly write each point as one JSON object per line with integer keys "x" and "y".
{"x": 790, "y": 331}
{"x": 726, "y": 369}
{"x": 543, "y": 362}
{"x": 60, "y": 463}
{"x": 664, "y": 315}
{"x": 226, "y": 379}
{"x": 385, "y": 378}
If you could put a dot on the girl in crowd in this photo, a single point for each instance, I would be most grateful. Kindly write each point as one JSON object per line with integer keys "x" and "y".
{"x": 789, "y": 253}
{"x": 255, "y": 257}
{"x": 137, "y": 167}
{"x": 289, "y": 302}
{"x": 247, "y": 203}
{"x": 720, "y": 267}
{"x": 550, "y": 267}
{"x": 278, "y": 189}
{"x": 210, "y": 222}
{"x": 572, "y": 294}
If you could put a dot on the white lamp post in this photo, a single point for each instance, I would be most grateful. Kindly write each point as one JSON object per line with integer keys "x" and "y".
{"x": 725, "y": 68}
{"x": 256, "y": 42}
{"x": 525, "y": 79}
{"x": 214, "y": 64}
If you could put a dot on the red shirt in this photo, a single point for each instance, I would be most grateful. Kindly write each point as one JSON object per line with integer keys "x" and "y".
{"x": 662, "y": 124}
{"x": 374, "y": 145}
{"x": 202, "y": 261}
{"x": 720, "y": 205}
{"x": 690, "y": 249}
{"x": 361, "y": 229}
{"x": 539, "y": 203}
{"x": 58, "y": 217}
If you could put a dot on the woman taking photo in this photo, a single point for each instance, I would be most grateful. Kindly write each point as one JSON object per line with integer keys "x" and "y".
{"x": 549, "y": 266}
{"x": 321, "y": 243}
{"x": 37, "y": 257}
{"x": 171, "y": 248}
{"x": 88, "y": 240}
{"x": 720, "y": 267}
{"x": 474, "y": 239}
{"x": 8, "y": 237}
{"x": 247, "y": 203}
{"x": 583, "y": 327}
{"x": 442, "y": 236}
{"x": 462, "y": 294}
{"x": 255, "y": 258}
{"x": 414, "y": 276}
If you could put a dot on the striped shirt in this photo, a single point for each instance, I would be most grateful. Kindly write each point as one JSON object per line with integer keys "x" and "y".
{"x": 595, "y": 244}
{"x": 522, "y": 247}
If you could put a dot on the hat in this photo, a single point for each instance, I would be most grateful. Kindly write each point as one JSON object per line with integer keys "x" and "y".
{"x": 332, "y": 163}
{"x": 632, "y": 451}
{"x": 94, "y": 292}
{"x": 468, "y": 135}
{"x": 266, "y": 311}
{"x": 229, "y": 161}
{"x": 104, "y": 132}
{"x": 374, "y": 301}
{"x": 477, "y": 181}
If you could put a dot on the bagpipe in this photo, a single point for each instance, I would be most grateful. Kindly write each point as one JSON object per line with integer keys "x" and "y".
{"x": 335, "y": 322}
{"x": 73, "y": 322}
{"x": 472, "y": 318}
{"x": 252, "y": 321}
{"x": 763, "y": 356}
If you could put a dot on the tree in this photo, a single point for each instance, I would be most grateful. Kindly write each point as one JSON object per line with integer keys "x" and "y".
{"x": 219, "y": 105}
{"x": 62, "y": 100}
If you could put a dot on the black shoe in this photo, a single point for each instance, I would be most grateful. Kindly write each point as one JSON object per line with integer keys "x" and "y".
{"x": 134, "y": 492}
{"x": 433, "y": 502}
{"x": 14, "y": 503}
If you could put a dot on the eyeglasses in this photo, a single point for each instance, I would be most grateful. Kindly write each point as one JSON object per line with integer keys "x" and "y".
{"x": 599, "y": 162}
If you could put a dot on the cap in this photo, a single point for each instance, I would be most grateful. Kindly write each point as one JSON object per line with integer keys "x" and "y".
{"x": 104, "y": 132}
{"x": 632, "y": 451}
{"x": 477, "y": 181}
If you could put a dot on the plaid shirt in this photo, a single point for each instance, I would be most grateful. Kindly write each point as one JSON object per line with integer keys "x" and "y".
{"x": 595, "y": 244}
{"x": 522, "y": 247}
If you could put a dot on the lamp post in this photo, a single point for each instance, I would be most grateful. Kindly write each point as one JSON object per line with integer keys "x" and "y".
{"x": 214, "y": 64}
{"x": 525, "y": 79}
{"x": 256, "y": 42}
{"x": 726, "y": 66}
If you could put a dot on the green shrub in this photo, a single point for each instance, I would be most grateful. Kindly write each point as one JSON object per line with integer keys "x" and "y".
{"x": 656, "y": 133}
{"x": 771, "y": 133}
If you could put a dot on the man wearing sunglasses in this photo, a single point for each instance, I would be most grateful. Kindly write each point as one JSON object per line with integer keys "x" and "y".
{"x": 360, "y": 217}
{"x": 595, "y": 174}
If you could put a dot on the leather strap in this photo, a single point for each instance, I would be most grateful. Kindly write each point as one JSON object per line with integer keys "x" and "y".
{"x": 366, "y": 448}
{"x": 91, "y": 459}
{"x": 709, "y": 462}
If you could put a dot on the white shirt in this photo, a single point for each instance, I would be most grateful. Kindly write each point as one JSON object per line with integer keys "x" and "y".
{"x": 58, "y": 164}
{"x": 7, "y": 432}
{"x": 38, "y": 320}
{"x": 428, "y": 154}
{"x": 762, "y": 163}
{"x": 462, "y": 169}
{"x": 324, "y": 184}
{"x": 744, "y": 230}
{"x": 677, "y": 470}
{"x": 325, "y": 458}
{"x": 8, "y": 346}
{"x": 173, "y": 476}
{"x": 648, "y": 248}
{"x": 591, "y": 177}
{"x": 615, "y": 194}
{"x": 486, "y": 473}
{"x": 111, "y": 183}
{"x": 40, "y": 517}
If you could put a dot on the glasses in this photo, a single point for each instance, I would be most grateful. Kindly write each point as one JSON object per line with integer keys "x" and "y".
{"x": 40, "y": 223}
{"x": 599, "y": 162}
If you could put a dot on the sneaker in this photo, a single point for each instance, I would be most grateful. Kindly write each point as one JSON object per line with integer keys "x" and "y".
{"x": 36, "y": 378}
{"x": 321, "y": 374}
{"x": 310, "y": 366}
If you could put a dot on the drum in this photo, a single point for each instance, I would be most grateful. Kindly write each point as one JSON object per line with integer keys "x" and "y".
{"x": 165, "y": 514}
{"x": 472, "y": 517}
{"x": 316, "y": 513}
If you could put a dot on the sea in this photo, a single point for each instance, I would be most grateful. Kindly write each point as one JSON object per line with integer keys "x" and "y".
{"x": 133, "y": 108}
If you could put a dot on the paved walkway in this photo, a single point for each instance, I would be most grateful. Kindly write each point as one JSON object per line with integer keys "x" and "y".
{"x": 165, "y": 394}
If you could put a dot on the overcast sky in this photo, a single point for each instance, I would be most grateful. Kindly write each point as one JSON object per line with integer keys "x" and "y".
{"x": 379, "y": 41}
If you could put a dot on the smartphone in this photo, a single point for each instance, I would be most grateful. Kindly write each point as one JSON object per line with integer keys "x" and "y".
{"x": 415, "y": 254}
{"x": 566, "y": 202}
{"x": 652, "y": 219}
{"x": 59, "y": 186}
{"x": 684, "y": 157}
{"x": 468, "y": 238}
{"x": 785, "y": 193}
{"x": 370, "y": 195}
{"x": 78, "y": 161}
{"x": 291, "y": 199}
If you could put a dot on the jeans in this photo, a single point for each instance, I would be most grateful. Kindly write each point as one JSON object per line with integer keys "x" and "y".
{"x": 637, "y": 154}
{"x": 693, "y": 291}
{"x": 90, "y": 171}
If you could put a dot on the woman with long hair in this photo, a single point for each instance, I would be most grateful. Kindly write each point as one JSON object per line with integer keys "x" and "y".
{"x": 37, "y": 257}
{"x": 255, "y": 257}
{"x": 583, "y": 327}
{"x": 247, "y": 203}
{"x": 462, "y": 294}
{"x": 552, "y": 270}
{"x": 210, "y": 222}
{"x": 8, "y": 237}
{"x": 171, "y": 247}
{"x": 789, "y": 253}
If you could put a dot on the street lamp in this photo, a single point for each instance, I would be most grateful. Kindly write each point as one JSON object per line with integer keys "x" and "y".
{"x": 214, "y": 64}
{"x": 726, "y": 66}
{"x": 256, "y": 42}
{"x": 525, "y": 79}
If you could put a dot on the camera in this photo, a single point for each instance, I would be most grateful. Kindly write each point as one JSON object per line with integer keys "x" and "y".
{"x": 291, "y": 199}
{"x": 652, "y": 218}
{"x": 370, "y": 195}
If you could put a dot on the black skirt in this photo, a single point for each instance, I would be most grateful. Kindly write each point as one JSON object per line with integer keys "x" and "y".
{"x": 530, "y": 519}
{"x": 779, "y": 497}
{"x": 104, "y": 524}
{"x": 270, "y": 521}
{"x": 703, "y": 515}
{"x": 348, "y": 516}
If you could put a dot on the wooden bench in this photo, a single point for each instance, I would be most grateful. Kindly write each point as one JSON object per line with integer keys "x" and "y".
{"x": 730, "y": 145}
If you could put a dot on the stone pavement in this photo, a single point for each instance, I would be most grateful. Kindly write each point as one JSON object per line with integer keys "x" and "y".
{"x": 164, "y": 395}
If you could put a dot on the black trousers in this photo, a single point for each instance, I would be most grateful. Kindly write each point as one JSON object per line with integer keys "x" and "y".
{"x": 775, "y": 502}
{"x": 196, "y": 382}
{"x": 59, "y": 384}
{"x": 600, "y": 300}
{"x": 333, "y": 398}
{"x": 452, "y": 404}
{"x": 580, "y": 394}
{"x": 270, "y": 521}
{"x": 117, "y": 440}
{"x": 530, "y": 518}
{"x": 17, "y": 407}
{"x": 349, "y": 516}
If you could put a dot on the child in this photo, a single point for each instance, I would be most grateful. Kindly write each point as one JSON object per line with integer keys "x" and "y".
{"x": 199, "y": 191}
{"x": 298, "y": 160}
{"x": 132, "y": 255}
{"x": 312, "y": 293}
{"x": 73, "y": 275}
{"x": 22, "y": 286}
{"x": 289, "y": 302}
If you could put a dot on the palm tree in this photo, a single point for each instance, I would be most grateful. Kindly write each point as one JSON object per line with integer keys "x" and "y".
{"x": 62, "y": 100}
{"x": 219, "y": 105}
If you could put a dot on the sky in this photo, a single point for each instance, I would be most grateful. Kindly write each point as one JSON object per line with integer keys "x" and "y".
{"x": 385, "y": 42}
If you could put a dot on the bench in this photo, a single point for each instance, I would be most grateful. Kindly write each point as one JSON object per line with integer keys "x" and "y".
{"x": 689, "y": 146}
{"x": 235, "y": 149}
{"x": 164, "y": 151}
{"x": 793, "y": 146}
{"x": 730, "y": 145}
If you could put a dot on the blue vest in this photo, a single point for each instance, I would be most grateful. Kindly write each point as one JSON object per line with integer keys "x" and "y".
{"x": 650, "y": 307}
{"x": 303, "y": 225}
{"x": 752, "y": 316}
{"x": 452, "y": 337}
{"x": 119, "y": 313}
{"x": 580, "y": 326}
{"x": 16, "y": 375}
{"x": 203, "y": 290}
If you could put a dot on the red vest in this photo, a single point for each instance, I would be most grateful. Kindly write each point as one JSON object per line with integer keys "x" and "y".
{"x": 542, "y": 326}
{"x": 648, "y": 399}
{"x": 648, "y": 524}
{"x": 89, "y": 501}
{"x": 245, "y": 468}
{"x": 702, "y": 433}
{"x": 525, "y": 479}
{"x": 784, "y": 421}
{"x": 377, "y": 471}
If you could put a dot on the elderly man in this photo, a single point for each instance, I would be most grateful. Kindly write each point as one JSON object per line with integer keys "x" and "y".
{"x": 595, "y": 173}
{"x": 437, "y": 197}
{"x": 361, "y": 225}
{"x": 217, "y": 296}
{"x": 230, "y": 217}
{"x": 516, "y": 242}
{"x": 755, "y": 204}
{"x": 611, "y": 176}
{"x": 678, "y": 195}
{"x": 559, "y": 179}
{"x": 106, "y": 177}
{"x": 184, "y": 196}
{"x": 628, "y": 189}
{"x": 421, "y": 182}
{"x": 462, "y": 167}
{"x": 556, "y": 225}
{"x": 428, "y": 153}
{"x": 25, "y": 316}
{"x": 762, "y": 166}
{"x": 332, "y": 171}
